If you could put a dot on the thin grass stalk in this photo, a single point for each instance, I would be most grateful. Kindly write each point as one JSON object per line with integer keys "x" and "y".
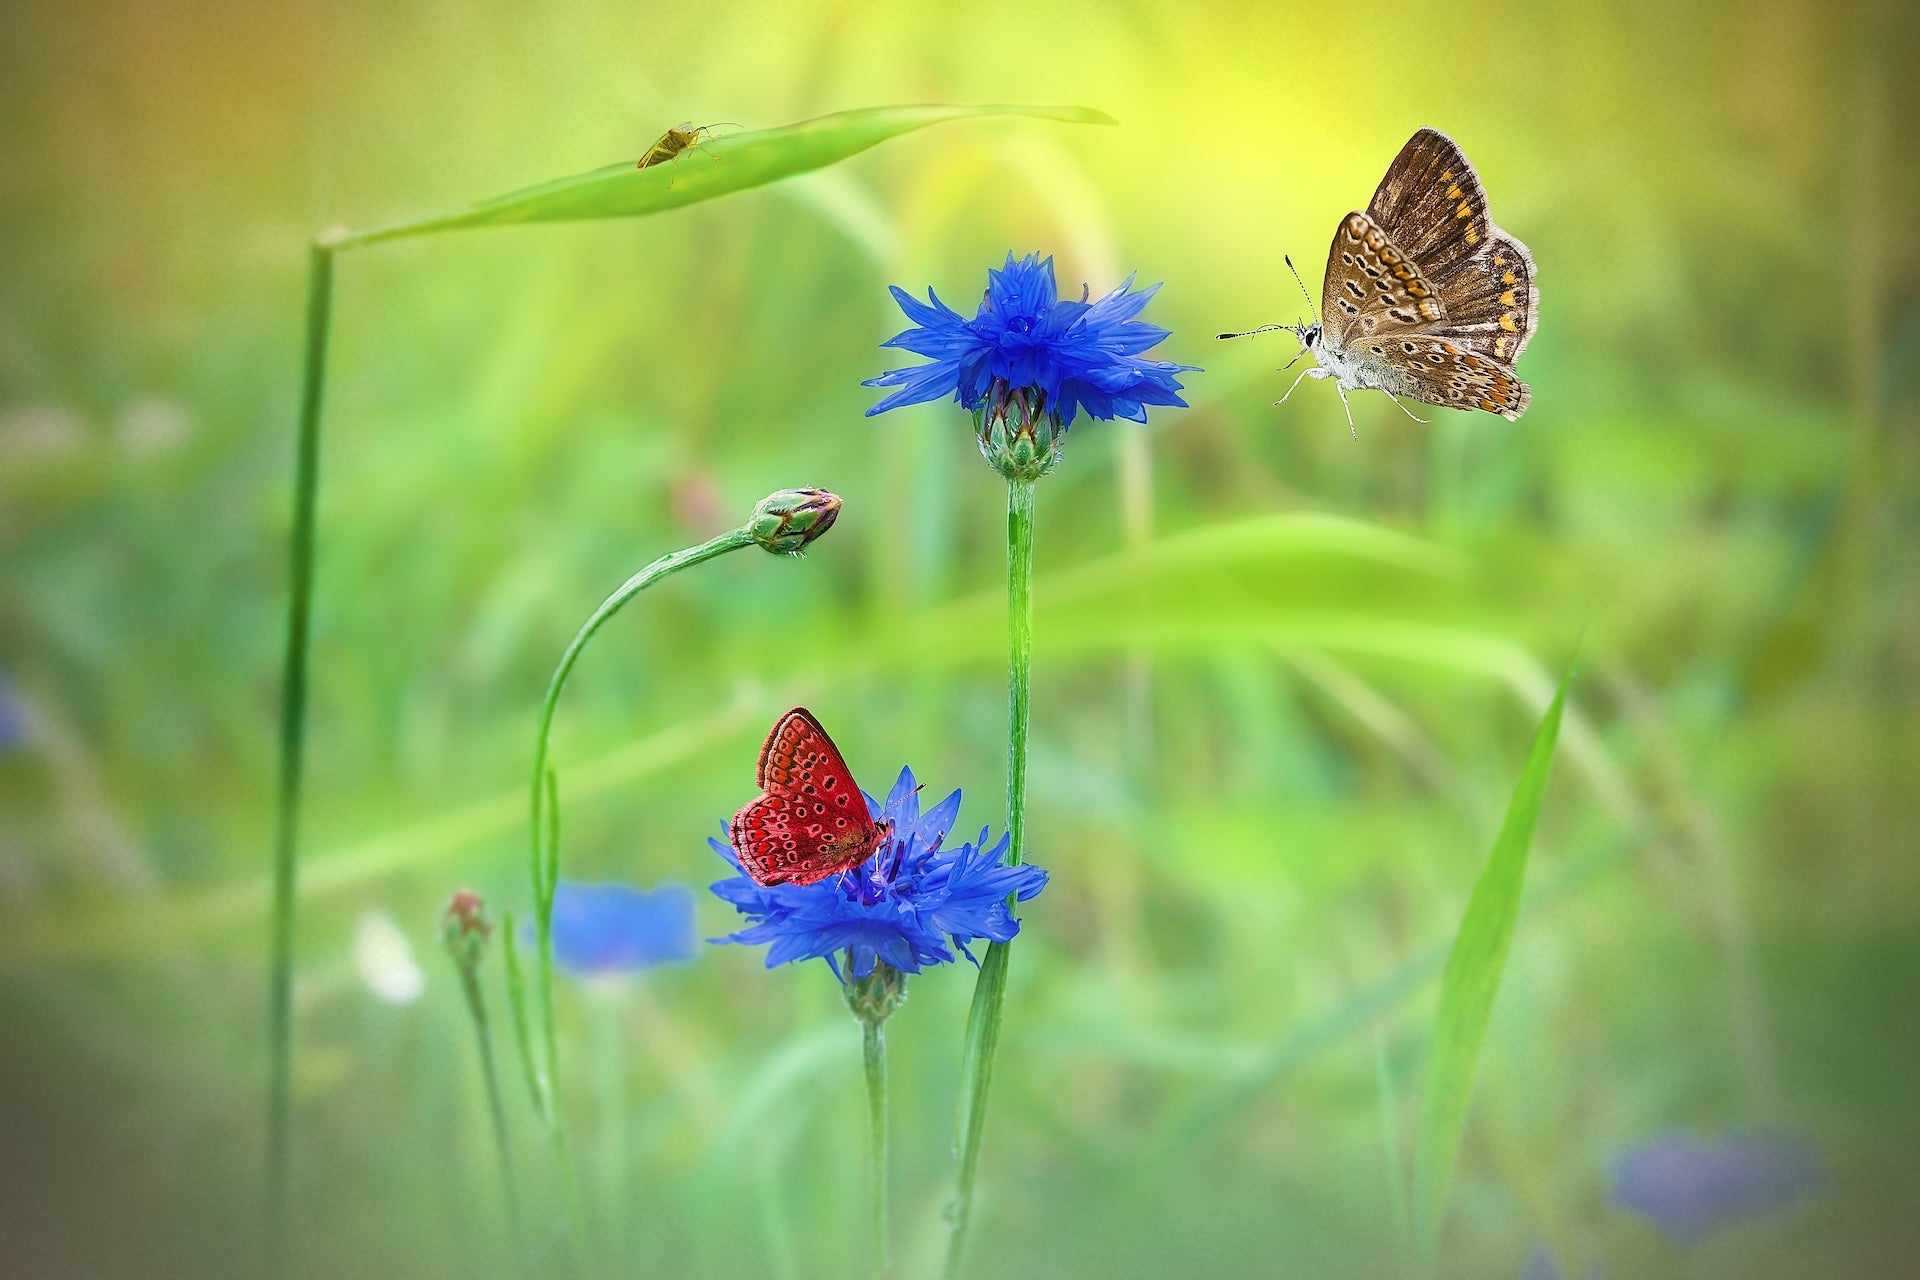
{"x": 989, "y": 991}
{"x": 497, "y": 1112}
{"x": 293, "y": 720}
{"x": 517, "y": 1009}
{"x": 874, "y": 1056}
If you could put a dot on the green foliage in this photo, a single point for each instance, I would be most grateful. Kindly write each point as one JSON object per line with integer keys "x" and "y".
{"x": 739, "y": 161}
{"x": 1472, "y": 980}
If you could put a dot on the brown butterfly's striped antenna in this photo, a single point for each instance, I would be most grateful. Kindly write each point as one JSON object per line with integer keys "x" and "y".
{"x": 1288, "y": 259}
{"x": 1265, "y": 328}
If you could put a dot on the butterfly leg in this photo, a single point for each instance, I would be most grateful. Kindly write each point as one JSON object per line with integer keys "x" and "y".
{"x": 1410, "y": 413}
{"x": 1312, "y": 371}
{"x": 1349, "y": 408}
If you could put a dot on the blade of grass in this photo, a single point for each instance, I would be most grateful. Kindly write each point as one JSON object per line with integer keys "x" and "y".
{"x": 1470, "y": 983}
{"x": 740, "y": 161}
{"x": 293, "y": 732}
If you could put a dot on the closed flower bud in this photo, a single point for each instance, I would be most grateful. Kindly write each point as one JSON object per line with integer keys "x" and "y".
{"x": 1019, "y": 436}
{"x": 784, "y": 523}
{"x": 873, "y": 999}
{"x": 465, "y": 928}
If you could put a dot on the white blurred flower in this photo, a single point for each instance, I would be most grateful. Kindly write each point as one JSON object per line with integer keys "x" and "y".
{"x": 152, "y": 425}
{"x": 384, "y": 958}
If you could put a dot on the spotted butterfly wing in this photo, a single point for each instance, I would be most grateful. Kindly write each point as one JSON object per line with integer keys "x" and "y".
{"x": 812, "y": 820}
{"x": 1432, "y": 204}
{"x": 1373, "y": 286}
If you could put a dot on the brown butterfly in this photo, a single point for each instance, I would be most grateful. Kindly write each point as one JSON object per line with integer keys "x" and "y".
{"x": 670, "y": 145}
{"x": 1425, "y": 297}
{"x": 812, "y": 821}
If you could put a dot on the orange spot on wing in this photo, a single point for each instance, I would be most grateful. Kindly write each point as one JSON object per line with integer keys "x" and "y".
{"x": 1506, "y": 322}
{"x": 1453, "y": 192}
{"x": 1506, "y": 299}
{"x": 1473, "y": 237}
{"x": 1463, "y": 210}
{"x": 1489, "y": 406}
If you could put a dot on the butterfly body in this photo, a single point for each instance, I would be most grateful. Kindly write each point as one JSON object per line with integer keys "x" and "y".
{"x": 1424, "y": 296}
{"x": 811, "y": 822}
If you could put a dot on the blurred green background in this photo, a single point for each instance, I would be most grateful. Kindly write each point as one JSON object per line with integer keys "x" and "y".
{"x": 1265, "y": 773}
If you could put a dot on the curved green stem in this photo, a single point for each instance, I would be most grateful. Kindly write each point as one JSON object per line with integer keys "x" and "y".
{"x": 544, "y": 864}
{"x": 989, "y": 991}
{"x": 874, "y": 1054}
{"x": 293, "y": 720}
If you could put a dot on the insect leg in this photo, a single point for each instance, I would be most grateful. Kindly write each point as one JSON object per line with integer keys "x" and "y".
{"x": 1410, "y": 413}
{"x": 1349, "y": 408}
{"x": 1296, "y": 382}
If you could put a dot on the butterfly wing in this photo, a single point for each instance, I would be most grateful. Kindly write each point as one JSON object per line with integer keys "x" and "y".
{"x": 1432, "y": 206}
{"x": 812, "y": 821}
{"x": 1373, "y": 287}
{"x": 1438, "y": 370}
{"x": 1492, "y": 303}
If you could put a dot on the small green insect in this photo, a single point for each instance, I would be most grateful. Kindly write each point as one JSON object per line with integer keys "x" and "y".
{"x": 675, "y": 142}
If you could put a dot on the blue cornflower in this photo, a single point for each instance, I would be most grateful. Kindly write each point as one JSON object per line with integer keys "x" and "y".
{"x": 1688, "y": 1185}
{"x": 1030, "y": 350}
{"x": 614, "y": 928}
{"x": 902, "y": 906}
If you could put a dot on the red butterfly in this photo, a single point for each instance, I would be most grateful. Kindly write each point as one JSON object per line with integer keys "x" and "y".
{"x": 812, "y": 821}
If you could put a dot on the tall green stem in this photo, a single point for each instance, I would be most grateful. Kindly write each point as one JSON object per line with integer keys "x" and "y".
{"x": 989, "y": 991}
{"x": 496, "y": 1107}
{"x": 544, "y": 864}
{"x": 874, "y": 1053}
{"x": 293, "y": 719}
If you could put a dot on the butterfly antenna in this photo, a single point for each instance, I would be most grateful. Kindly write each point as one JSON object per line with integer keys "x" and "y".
{"x": 1288, "y": 259}
{"x": 1265, "y": 328}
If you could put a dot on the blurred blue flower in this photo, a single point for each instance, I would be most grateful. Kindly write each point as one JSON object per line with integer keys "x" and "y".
{"x": 1687, "y": 1185}
{"x": 1541, "y": 1265}
{"x": 614, "y": 928}
{"x": 13, "y": 721}
{"x": 1076, "y": 354}
{"x": 902, "y": 905}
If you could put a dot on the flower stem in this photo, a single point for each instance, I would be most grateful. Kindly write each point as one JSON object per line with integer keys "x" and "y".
{"x": 989, "y": 990}
{"x": 517, "y": 1007}
{"x": 477, "y": 1008}
{"x": 544, "y": 864}
{"x": 293, "y": 722}
{"x": 874, "y": 1053}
